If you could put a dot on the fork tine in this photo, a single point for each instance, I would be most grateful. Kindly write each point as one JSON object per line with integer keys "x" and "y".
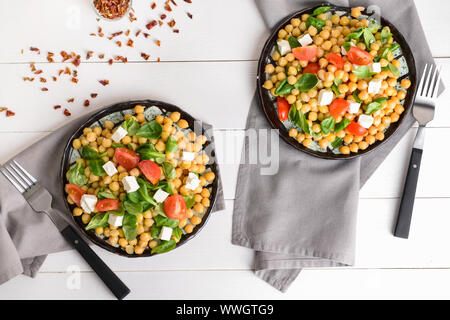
{"x": 13, "y": 182}
{"x": 24, "y": 186}
{"x": 426, "y": 87}
{"x": 437, "y": 84}
{"x": 422, "y": 81}
{"x": 27, "y": 182}
{"x": 30, "y": 178}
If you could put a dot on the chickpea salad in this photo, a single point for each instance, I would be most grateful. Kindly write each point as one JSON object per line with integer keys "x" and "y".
{"x": 336, "y": 80}
{"x": 142, "y": 185}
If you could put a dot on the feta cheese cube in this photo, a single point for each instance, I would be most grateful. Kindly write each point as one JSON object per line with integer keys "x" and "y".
{"x": 119, "y": 134}
{"x": 192, "y": 181}
{"x": 375, "y": 67}
{"x": 130, "y": 184}
{"x": 306, "y": 40}
{"x": 374, "y": 86}
{"x": 160, "y": 196}
{"x": 188, "y": 156}
{"x": 88, "y": 202}
{"x": 325, "y": 97}
{"x": 166, "y": 233}
{"x": 110, "y": 168}
{"x": 284, "y": 47}
{"x": 115, "y": 220}
{"x": 365, "y": 121}
{"x": 354, "y": 107}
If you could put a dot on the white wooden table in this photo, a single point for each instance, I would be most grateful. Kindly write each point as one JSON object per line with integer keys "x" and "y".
{"x": 209, "y": 69}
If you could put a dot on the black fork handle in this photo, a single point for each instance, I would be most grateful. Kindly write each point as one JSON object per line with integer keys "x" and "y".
{"x": 112, "y": 281}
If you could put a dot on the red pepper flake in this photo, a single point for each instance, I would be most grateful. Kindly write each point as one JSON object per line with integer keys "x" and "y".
{"x": 158, "y": 43}
{"x": 43, "y": 79}
{"x": 38, "y": 72}
{"x": 35, "y": 50}
{"x": 153, "y": 5}
{"x": 171, "y": 23}
{"x": 163, "y": 16}
{"x": 86, "y": 103}
{"x": 44, "y": 89}
{"x": 189, "y": 15}
{"x": 64, "y": 55}
{"x": 127, "y": 33}
{"x": 151, "y": 24}
{"x": 68, "y": 71}
{"x": 160, "y": 23}
{"x": 145, "y": 56}
{"x": 130, "y": 43}
{"x": 188, "y": 1}
{"x": 174, "y": 3}
{"x": 101, "y": 35}
{"x": 138, "y": 33}
{"x": 167, "y": 7}
{"x": 74, "y": 80}
{"x": 94, "y": 95}
{"x": 3, "y": 109}
{"x": 92, "y": 34}
{"x": 176, "y": 31}
{"x": 131, "y": 17}
{"x": 76, "y": 62}
{"x": 50, "y": 57}
{"x": 89, "y": 55}
{"x": 99, "y": 30}
{"x": 159, "y": 59}
{"x": 28, "y": 79}
{"x": 104, "y": 82}
{"x": 70, "y": 100}
{"x": 10, "y": 113}
{"x": 67, "y": 113}
{"x": 57, "y": 107}
{"x": 110, "y": 62}
{"x": 101, "y": 56}
{"x": 115, "y": 34}
{"x": 75, "y": 73}
{"x": 146, "y": 35}
{"x": 121, "y": 58}
{"x": 54, "y": 78}
{"x": 32, "y": 66}
{"x": 118, "y": 43}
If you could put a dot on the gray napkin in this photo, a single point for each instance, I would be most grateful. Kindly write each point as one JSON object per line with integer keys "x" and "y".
{"x": 26, "y": 237}
{"x": 305, "y": 215}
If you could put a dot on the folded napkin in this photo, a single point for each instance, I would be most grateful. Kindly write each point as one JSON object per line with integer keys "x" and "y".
{"x": 305, "y": 215}
{"x": 26, "y": 237}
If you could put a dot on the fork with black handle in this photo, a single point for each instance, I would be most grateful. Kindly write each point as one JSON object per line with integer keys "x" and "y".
{"x": 41, "y": 201}
{"x": 423, "y": 112}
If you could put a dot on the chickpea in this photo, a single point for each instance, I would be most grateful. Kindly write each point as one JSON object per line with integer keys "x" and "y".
{"x": 114, "y": 186}
{"x": 139, "y": 250}
{"x": 406, "y": 83}
{"x": 189, "y": 228}
{"x": 348, "y": 139}
{"x": 354, "y": 148}
{"x": 380, "y": 136}
{"x": 210, "y": 176}
{"x": 276, "y": 56}
{"x": 356, "y": 12}
{"x": 76, "y": 144}
{"x": 323, "y": 144}
{"x": 307, "y": 142}
{"x": 345, "y": 150}
{"x": 312, "y": 31}
{"x": 206, "y": 203}
{"x": 198, "y": 207}
{"x": 183, "y": 124}
{"x": 86, "y": 218}
{"x": 77, "y": 212}
{"x": 195, "y": 220}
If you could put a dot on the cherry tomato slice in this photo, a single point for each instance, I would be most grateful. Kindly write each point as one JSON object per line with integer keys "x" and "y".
{"x": 356, "y": 129}
{"x": 305, "y": 53}
{"x": 359, "y": 57}
{"x": 175, "y": 207}
{"x": 127, "y": 158}
{"x": 107, "y": 205}
{"x": 335, "y": 59}
{"x": 150, "y": 170}
{"x": 283, "y": 108}
{"x": 75, "y": 193}
{"x": 339, "y": 107}
{"x": 312, "y": 67}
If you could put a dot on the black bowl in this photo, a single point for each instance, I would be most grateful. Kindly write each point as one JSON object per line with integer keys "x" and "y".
{"x": 120, "y": 108}
{"x": 268, "y": 103}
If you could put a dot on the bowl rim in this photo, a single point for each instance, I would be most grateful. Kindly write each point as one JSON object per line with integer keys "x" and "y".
{"x": 120, "y": 107}
{"x": 272, "y": 115}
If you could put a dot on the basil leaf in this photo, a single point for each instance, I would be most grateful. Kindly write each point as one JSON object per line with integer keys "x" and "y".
{"x": 134, "y": 197}
{"x": 302, "y": 123}
{"x": 381, "y": 100}
{"x": 166, "y": 186}
{"x": 133, "y": 208}
{"x": 306, "y": 82}
{"x": 169, "y": 170}
{"x": 347, "y": 46}
{"x": 131, "y": 125}
{"x": 171, "y": 144}
{"x": 143, "y": 192}
{"x": 284, "y": 88}
{"x": 315, "y": 22}
{"x": 293, "y": 114}
{"x": 76, "y": 175}
{"x": 98, "y": 221}
{"x": 177, "y": 233}
{"x": 342, "y": 125}
{"x": 368, "y": 37}
{"x": 165, "y": 246}
{"x": 373, "y": 26}
{"x": 385, "y": 36}
{"x": 96, "y": 166}
{"x": 155, "y": 231}
{"x": 189, "y": 199}
{"x": 104, "y": 194}
{"x": 130, "y": 227}
{"x": 355, "y": 35}
{"x": 375, "y": 105}
{"x": 336, "y": 83}
{"x": 321, "y": 10}
{"x": 88, "y": 153}
{"x": 363, "y": 72}
{"x": 327, "y": 125}
{"x": 394, "y": 70}
{"x": 337, "y": 143}
{"x": 119, "y": 212}
{"x": 293, "y": 42}
{"x": 355, "y": 96}
{"x": 151, "y": 130}
{"x": 147, "y": 151}
{"x": 162, "y": 221}
{"x": 159, "y": 209}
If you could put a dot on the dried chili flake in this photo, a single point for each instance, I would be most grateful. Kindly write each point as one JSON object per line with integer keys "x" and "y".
{"x": 50, "y": 57}
{"x": 42, "y": 79}
{"x": 145, "y": 56}
{"x": 67, "y": 113}
{"x": 163, "y": 16}
{"x": 101, "y": 56}
{"x": 10, "y": 113}
{"x": 74, "y": 80}
{"x": 131, "y": 17}
{"x": 112, "y": 9}
{"x": 86, "y": 103}
{"x": 3, "y": 109}
{"x": 92, "y": 34}
{"x": 110, "y": 62}
{"x": 57, "y": 107}
{"x": 160, "y": 23}
{"x": 151, "y": 24}
{"x": 171, "y": 23}
{"x": 159, "y": 59}
{"x": 115, "y": 34}
{"x": 188, "y": 1}
{"x": 153, "y": 5}
{"x": 119, "y": 43}
{"x": 121, "y": 58}
{"x": 130, "y": 43}
{"x": 68, "y": 71}
{"x": 75, "y": 73}
{"x": 94, "y": 95}
{"x": 127, "y": 33}
{"x": 34, "y": 49}
{"x": 71, "y": 100}
{"x": 190, "y": 15}
{"x": 54, "y": 78}
{"x": 89, "y": 55}
{"x": 76, "y": 62}
{"x": 28, "y": 79}
{"x": 32, "y": 66}
{"x": 101, "y": 35}
{"x": 44, "y": 89}
{"x": 174, "y": 3}
{"x": 38, "y": 72}
{"x": 64, "y": 55}
{"x": 167, "y": 7}
{"x": 146, "y": 35}
{"x": 104, "y": 82}
{"x": 138, "y": 33}
{"x": 176, "y": 31}
{"x": 158, "y": 43}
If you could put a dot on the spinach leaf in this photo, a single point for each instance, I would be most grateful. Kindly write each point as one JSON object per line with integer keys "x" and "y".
{"x": 306, "y": 82}
{"x": 189, "y": 199}
{"x": 143, "y": 192}
{"x": 385, "y": 36}
{"x": 321, "y": 10}
{"x": 169, "y": 170}
{"x": 134, "y": 197}
{"x": 130, "y": 227}
{"x": 105, "y": 194}
{"x": 120, "y": 145}
{"x": 363, "y": 72}
{"x": 342, "y": 125}
{"x": 89, "y": 154}
{"x": 375, "y": 105}
{"x": 171, "y": 144}
{"x": 177, "y": 233}
{"x": 155, "y": 231}
{"x": 369, "y": 38}
{"x": 166, "y": 186}
{"x": 164, "y": 246}
{"x": 373, "y": 26}
{"x": 355, "y": 35}
{"x": 118, "y": 212}
{"x": 132, "y": 208}
{"x": 336, "y": 83}
{"x": 96, "y": 166}
{"x": 337, "y": 143}
{"x": 347, "y": 46}
{"x": 159, "y": 209}
{"x": 166, "y": 222}
{"x": 355, "y": 96}
{"x": 299, "y": 119}
{"x": 394, "y": 70}
{"x": 293, "y": 42}
{"x": 284, "y": 88}
{"x": 327, "y": 125}
{"x": 76, "y": 175}
{"x": 98, "y": 221}
{"x": 315, "y": 22}
{"x": 147, "y": 151}
{"x": 151, "y": 130}
{"x": 131, "y": 125}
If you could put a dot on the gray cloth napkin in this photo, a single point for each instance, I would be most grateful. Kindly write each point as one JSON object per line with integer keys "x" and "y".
{"x": 305, "y": 215}
{"x": 26, "y": 237}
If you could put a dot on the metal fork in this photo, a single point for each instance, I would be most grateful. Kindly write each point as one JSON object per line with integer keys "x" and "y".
{"x": 40, "y": 201}
{"x": 423, "y": 112}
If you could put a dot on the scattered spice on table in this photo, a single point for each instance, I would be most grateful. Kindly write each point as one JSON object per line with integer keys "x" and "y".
{"x": 94, "y": 95}
{"x": 57, "y": 107}
{"x": 104, "y": 82}
{"x": 86, "y": 103}
{"x": 67, "y": 113}
{"x": 112, "y": 9}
